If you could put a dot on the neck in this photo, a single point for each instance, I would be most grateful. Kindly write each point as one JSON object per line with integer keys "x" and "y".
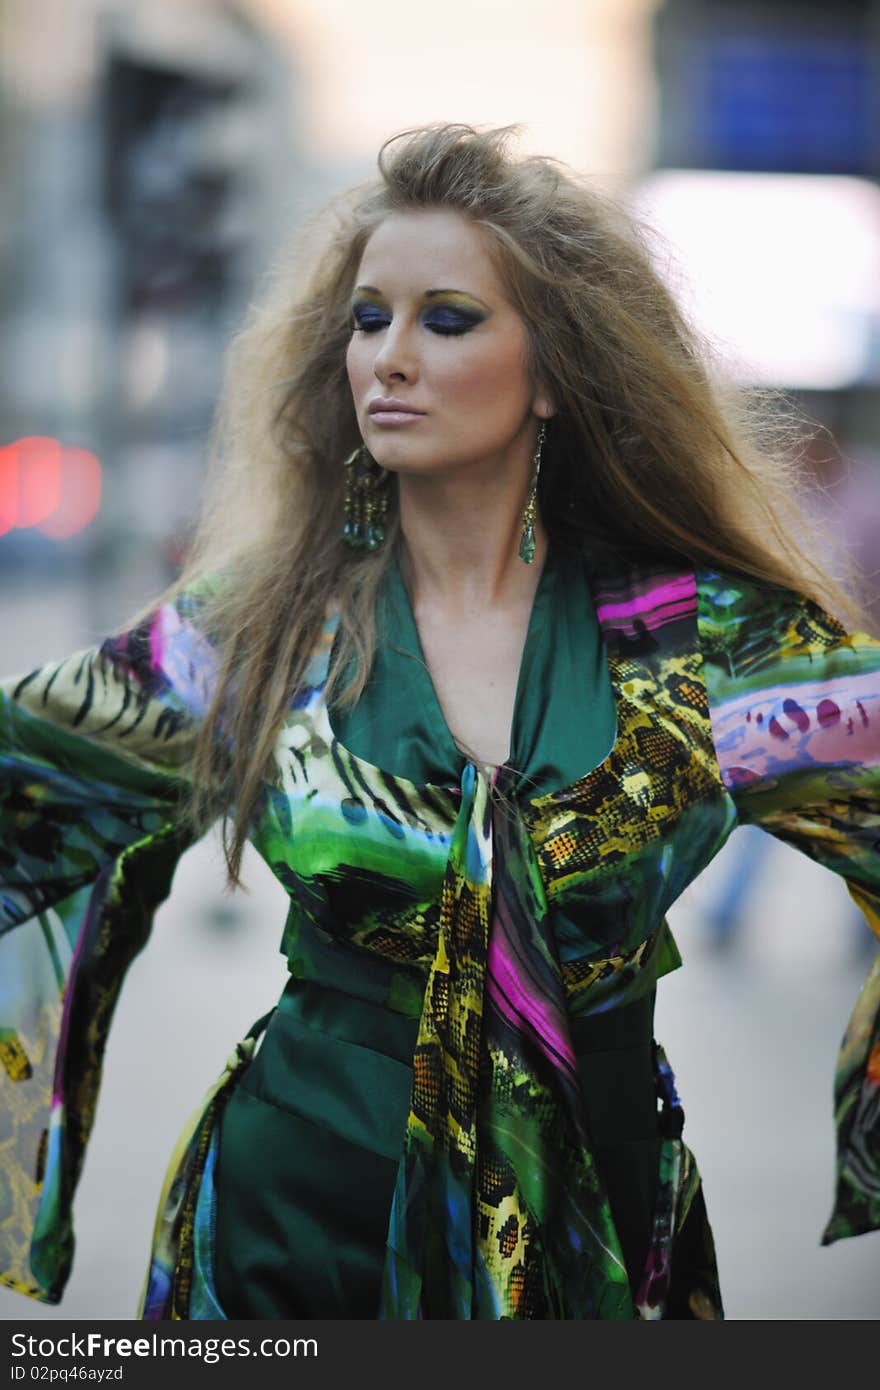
{"x": 461, "y": 537}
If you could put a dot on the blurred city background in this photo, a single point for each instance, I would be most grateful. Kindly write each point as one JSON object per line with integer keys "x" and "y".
{"x": 154, "y": 155}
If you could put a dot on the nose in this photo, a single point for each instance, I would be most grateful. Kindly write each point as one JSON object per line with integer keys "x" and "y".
{"x": 395, "y": 358}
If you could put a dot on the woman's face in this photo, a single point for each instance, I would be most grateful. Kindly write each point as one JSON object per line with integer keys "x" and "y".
{"x": 438, "y": 357}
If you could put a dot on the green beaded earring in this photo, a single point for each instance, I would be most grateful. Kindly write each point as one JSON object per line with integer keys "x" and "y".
{"x": 366, "y": 501}
{"x": 527, "y": 540}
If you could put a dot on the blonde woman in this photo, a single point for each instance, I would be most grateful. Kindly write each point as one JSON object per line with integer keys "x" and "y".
{"x": 497, "y": 621}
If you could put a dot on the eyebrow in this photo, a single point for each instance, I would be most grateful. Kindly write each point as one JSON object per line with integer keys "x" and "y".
{"x": 429, "y": 294}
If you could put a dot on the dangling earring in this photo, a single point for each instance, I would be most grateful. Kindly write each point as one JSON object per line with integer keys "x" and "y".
{"x": 366, "y": 501}
{"x": 527, "y": 540}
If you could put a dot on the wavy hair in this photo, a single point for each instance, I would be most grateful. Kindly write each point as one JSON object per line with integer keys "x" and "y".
{"x": 651, "y": 452}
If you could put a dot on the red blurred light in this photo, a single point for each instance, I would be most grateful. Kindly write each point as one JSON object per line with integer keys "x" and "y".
{"x": 80, "y": 495}
{"x": 44, "y": 484}
{"x": 8, "y": 488}
{"x": 39, "y": 480}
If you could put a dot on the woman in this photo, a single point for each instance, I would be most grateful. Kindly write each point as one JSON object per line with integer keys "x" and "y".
{"x": 493, "y": 630}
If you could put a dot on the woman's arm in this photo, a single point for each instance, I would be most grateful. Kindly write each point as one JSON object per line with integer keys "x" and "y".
{"x": 795, "y": 706}
{"x": 93, "y": 772}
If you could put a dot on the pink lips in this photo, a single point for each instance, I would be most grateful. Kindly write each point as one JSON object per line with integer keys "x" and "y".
{"x": 390, "y": 410}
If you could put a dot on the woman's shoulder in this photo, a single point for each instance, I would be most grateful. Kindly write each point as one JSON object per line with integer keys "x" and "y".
{"x": 169, "y": 647}
{"x": 652, "y": 579}
{"x": 734, "y": 619}
{"x": 637, "y": 595}
{"x": 759, "y": 636}
{"x": 135, "y": 697}
{"x": 184, "y": 640}
{"x": 751, "y": 621}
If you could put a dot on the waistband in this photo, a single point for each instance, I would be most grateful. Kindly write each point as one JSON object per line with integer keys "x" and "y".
{"x": 364, "y": 1023}
{"x": 614, "y": 1050}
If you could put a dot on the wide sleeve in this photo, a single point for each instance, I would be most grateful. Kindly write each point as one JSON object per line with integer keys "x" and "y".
{"x": 94, "y": 752}
{"x": 795, "y": 708}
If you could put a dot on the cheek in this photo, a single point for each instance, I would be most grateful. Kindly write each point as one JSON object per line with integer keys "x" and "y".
{"x": 356, "y": 367}
{"x": 496, "y": 378}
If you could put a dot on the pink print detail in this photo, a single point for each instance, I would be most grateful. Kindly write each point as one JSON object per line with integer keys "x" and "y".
{"x": 517, "y": 1005}
{"x": 803, "y": 725}
{"x": 185, "y": 658}
{"x": 157, "y": 642}
{"x": 739, "y": 777}
{"x": 796, "y": 714}
{"x": 827, "y": 713}
{"x": 667, "y": 601}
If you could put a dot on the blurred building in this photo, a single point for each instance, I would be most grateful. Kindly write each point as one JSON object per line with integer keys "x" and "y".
{"x": 765, "y": 193}
{"x": 141, "y": 198}
{"x": 153, "y": 155}
{"x": 764, "y": 201}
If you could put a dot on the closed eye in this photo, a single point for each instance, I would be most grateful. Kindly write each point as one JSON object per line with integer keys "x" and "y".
{"x": 446, "y": 322}
{"x": 369, "y": 320}
{"x": 450, "y": 322}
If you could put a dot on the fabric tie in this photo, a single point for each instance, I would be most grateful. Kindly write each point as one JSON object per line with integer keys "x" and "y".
{"x": 498, "y": 1210}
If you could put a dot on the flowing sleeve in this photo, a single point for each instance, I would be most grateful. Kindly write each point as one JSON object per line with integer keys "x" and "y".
{"x": 94, "y": 752}
{"x": 795, "y": 707}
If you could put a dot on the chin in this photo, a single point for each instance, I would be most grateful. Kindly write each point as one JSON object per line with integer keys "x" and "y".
{"x": 398, "y": 458}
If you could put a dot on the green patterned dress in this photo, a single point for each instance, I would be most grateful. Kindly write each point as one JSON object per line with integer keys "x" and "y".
{"x": 457, "y": 1108}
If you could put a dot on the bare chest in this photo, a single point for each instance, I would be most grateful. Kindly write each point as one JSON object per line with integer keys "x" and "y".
{"x": 474, "y": 667}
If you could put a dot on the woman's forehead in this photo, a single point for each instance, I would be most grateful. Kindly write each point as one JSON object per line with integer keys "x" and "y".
{"x": 420, "y": 246}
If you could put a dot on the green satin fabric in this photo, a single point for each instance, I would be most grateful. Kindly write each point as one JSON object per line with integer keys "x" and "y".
{"x": 564, "y": 717}
{"x": 311, "y": 1138}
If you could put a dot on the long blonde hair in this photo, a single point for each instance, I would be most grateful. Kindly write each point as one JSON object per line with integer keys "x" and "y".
{"x": 650, "y": 453}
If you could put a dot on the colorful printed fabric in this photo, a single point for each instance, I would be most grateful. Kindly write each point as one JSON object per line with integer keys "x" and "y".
{"x": 796, "y": 719}
{"x": 90, "y": 752}
{"x": 492, "y": 917}
{"x": 517, "y": 1223}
